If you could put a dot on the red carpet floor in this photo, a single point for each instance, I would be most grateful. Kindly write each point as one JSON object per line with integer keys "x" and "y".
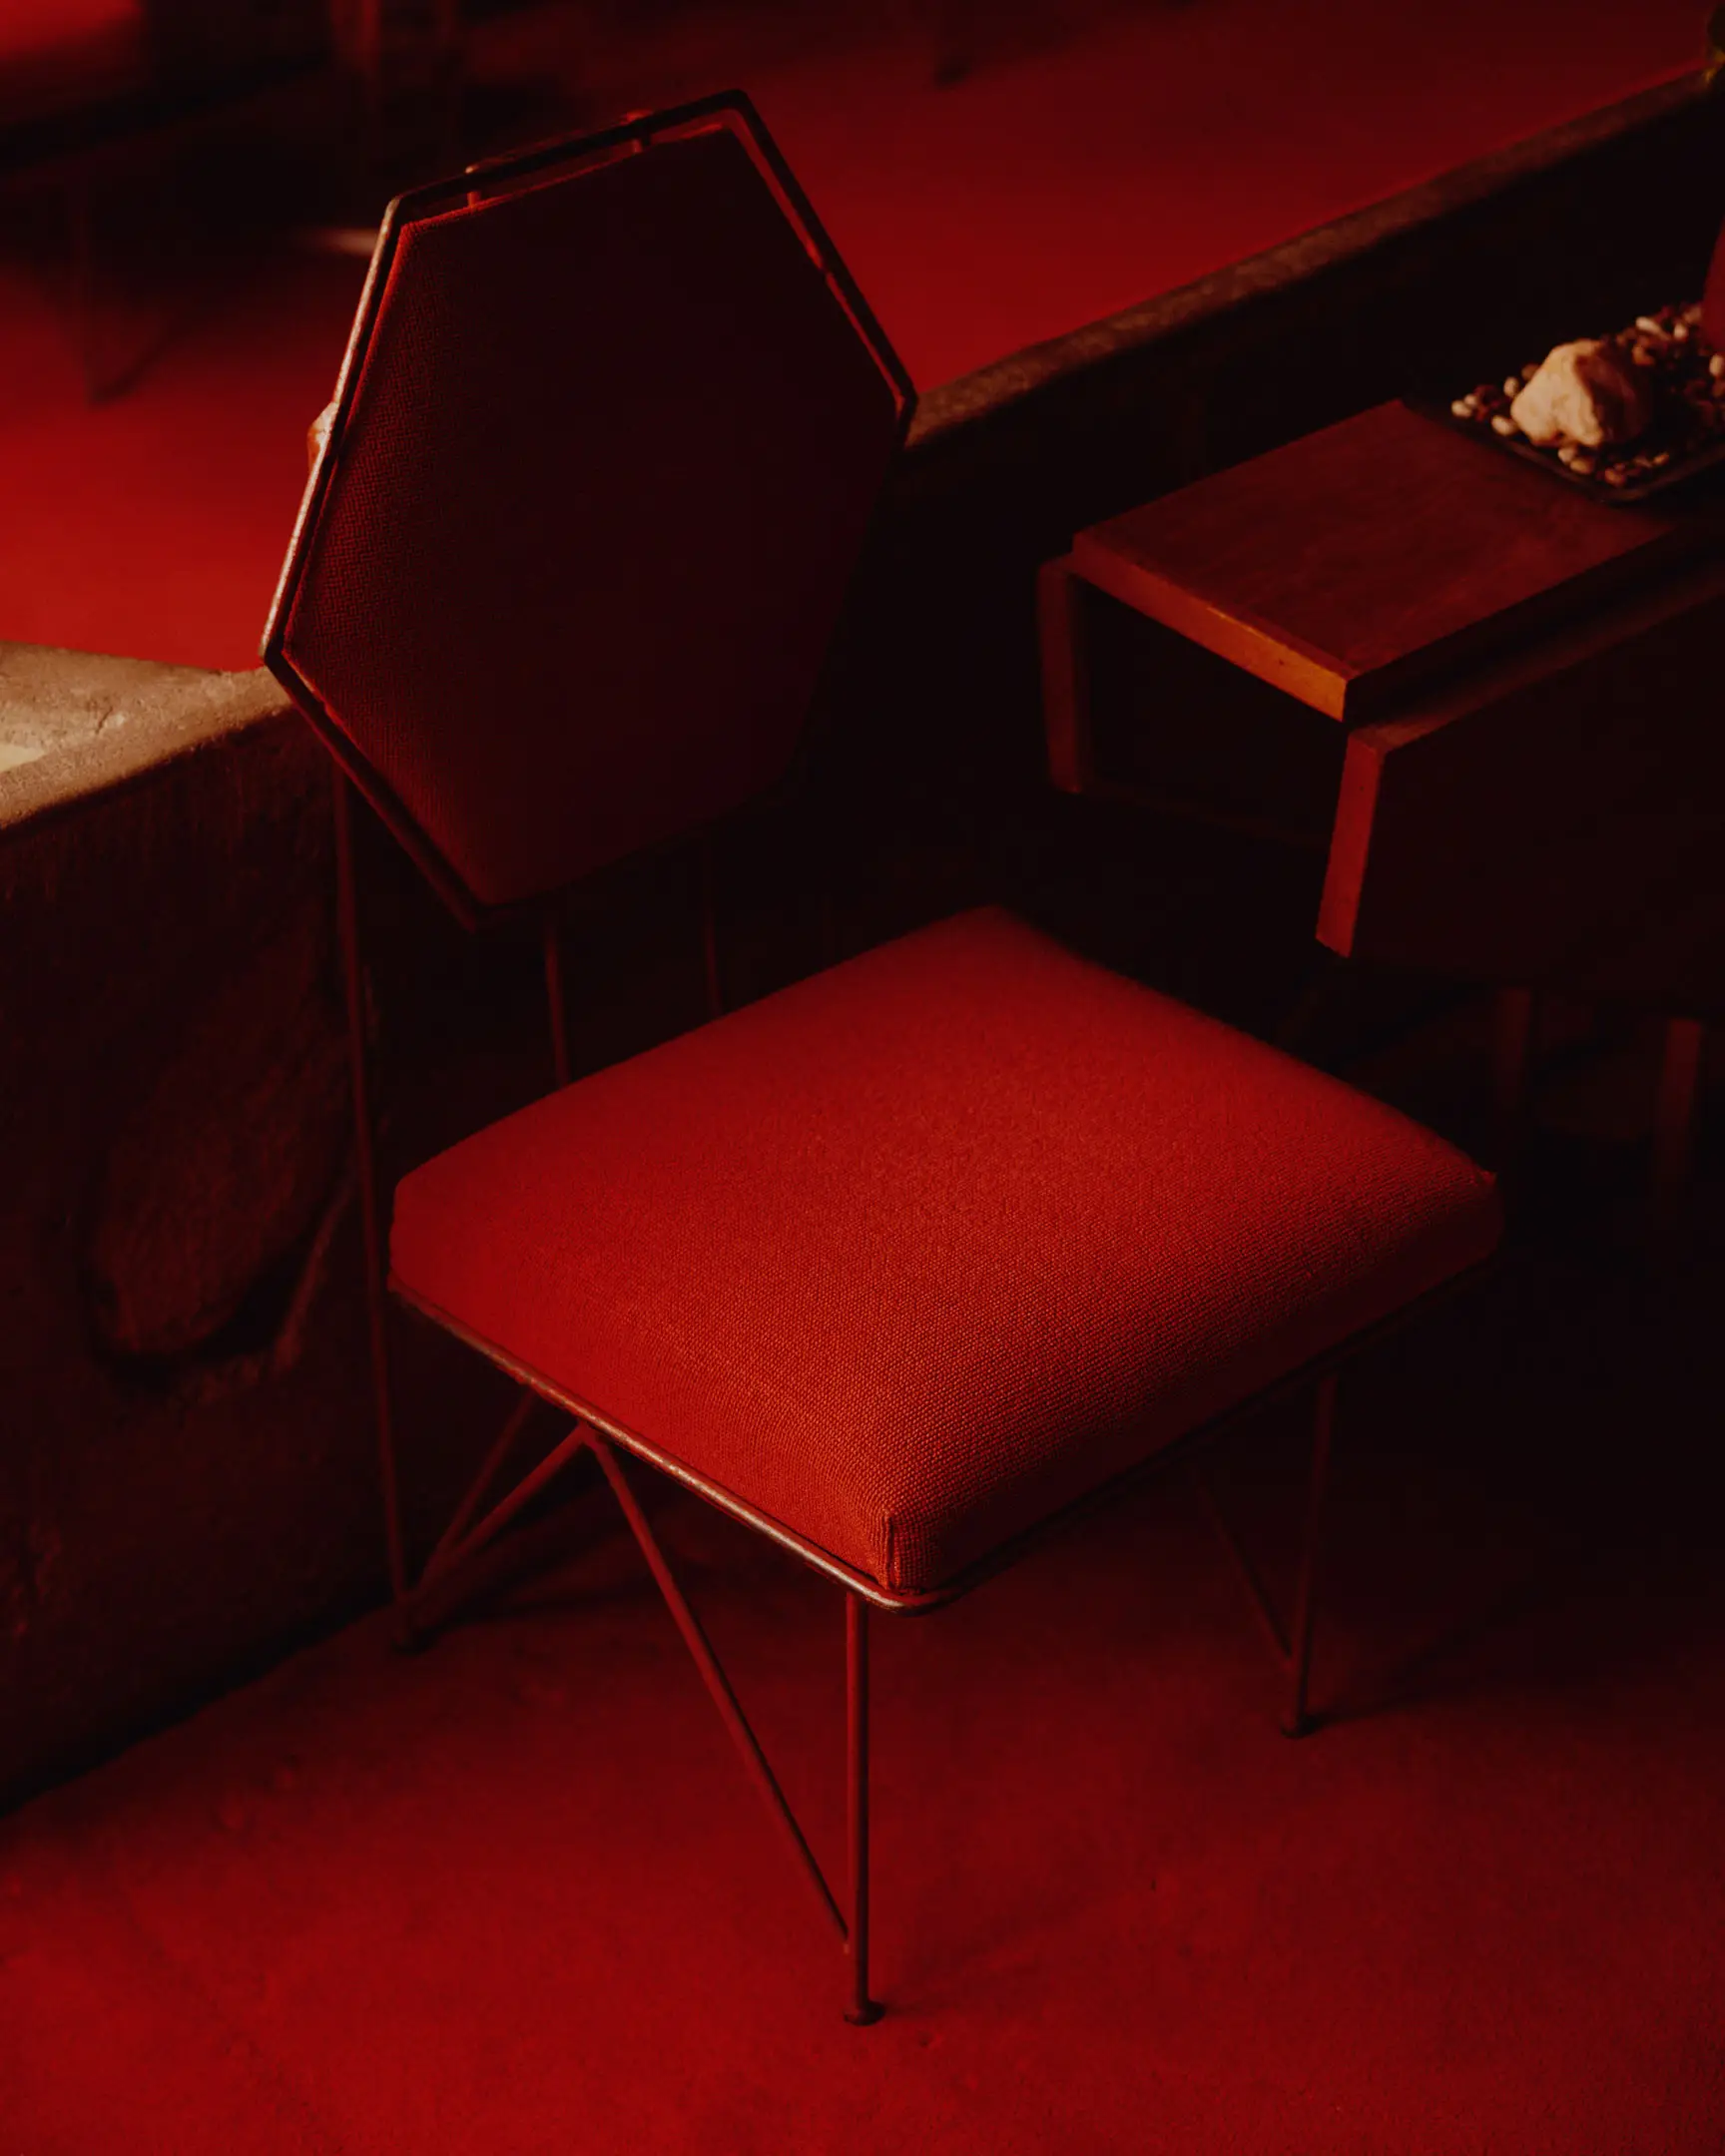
{"x": 1097, "y": 154}
{"x": 514, "y": 1896}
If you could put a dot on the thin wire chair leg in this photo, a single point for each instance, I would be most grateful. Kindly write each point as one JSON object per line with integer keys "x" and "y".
{"x": 1299, "y": 1721}
{"x": 555, "y": 1010}
{"x": 1263, "y": 1608}
{"x": 453, "y": 1555}
{"x": 370, "y": 1216}
{"x": 467, "y": 1510}
{"x": 863, "y": 2010}
{"x": 714, "y": 1677}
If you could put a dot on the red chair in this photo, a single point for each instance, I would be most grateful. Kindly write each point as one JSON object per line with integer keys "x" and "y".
{"x": 906, "y": 1264}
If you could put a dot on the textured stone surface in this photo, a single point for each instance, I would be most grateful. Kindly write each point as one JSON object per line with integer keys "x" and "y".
{"x": 73, "y": 725}
{"x": 227, "y": 1159}
{"x": 173, "y": 1117}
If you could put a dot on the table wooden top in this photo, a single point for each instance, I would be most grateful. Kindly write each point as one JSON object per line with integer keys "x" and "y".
{"x": 1371, "y": 557}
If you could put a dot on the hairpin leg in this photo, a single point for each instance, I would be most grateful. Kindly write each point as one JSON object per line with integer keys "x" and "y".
{"x": 371, "y": 1215}
{"x": 555, "y": 1008}
{"x": 1299, "y": 1721}
{"x": 863, "y": 2009}
{"x": 1290, "y": 1644}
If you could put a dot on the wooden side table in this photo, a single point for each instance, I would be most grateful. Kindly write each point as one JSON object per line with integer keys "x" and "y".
{"x": 1490, "y": 700}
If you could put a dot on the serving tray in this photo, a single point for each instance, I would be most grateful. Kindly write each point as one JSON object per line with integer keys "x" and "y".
{"x": 1680, "y": 468}
{"x": 1686, "y": 439}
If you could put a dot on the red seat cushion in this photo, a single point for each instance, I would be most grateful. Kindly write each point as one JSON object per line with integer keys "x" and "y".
{"x": 912, "y": 1254}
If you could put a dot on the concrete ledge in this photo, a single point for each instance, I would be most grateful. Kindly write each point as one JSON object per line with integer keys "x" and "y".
{"x": 74, "y": 725}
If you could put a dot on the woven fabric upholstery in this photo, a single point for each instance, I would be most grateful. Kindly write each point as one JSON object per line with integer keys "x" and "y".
{"x": 590, "y": 519}
{"x": 914, "y": 1254}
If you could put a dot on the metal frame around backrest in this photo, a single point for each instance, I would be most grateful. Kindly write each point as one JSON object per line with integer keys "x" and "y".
{"x": 495, "y": 178}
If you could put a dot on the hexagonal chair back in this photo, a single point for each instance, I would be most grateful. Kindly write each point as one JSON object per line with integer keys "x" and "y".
{"x": 611, "y": 426}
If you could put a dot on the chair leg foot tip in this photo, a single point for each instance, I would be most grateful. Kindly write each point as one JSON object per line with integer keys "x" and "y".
{"x": 865, "y": 2015}
{"x": 1301, "y": 1725}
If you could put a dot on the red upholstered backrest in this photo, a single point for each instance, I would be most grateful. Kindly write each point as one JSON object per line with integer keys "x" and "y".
{"x": 607, "y": 444}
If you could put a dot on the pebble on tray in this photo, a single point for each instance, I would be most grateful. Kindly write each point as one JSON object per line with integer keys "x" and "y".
{"x": 1584, "y": 392}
